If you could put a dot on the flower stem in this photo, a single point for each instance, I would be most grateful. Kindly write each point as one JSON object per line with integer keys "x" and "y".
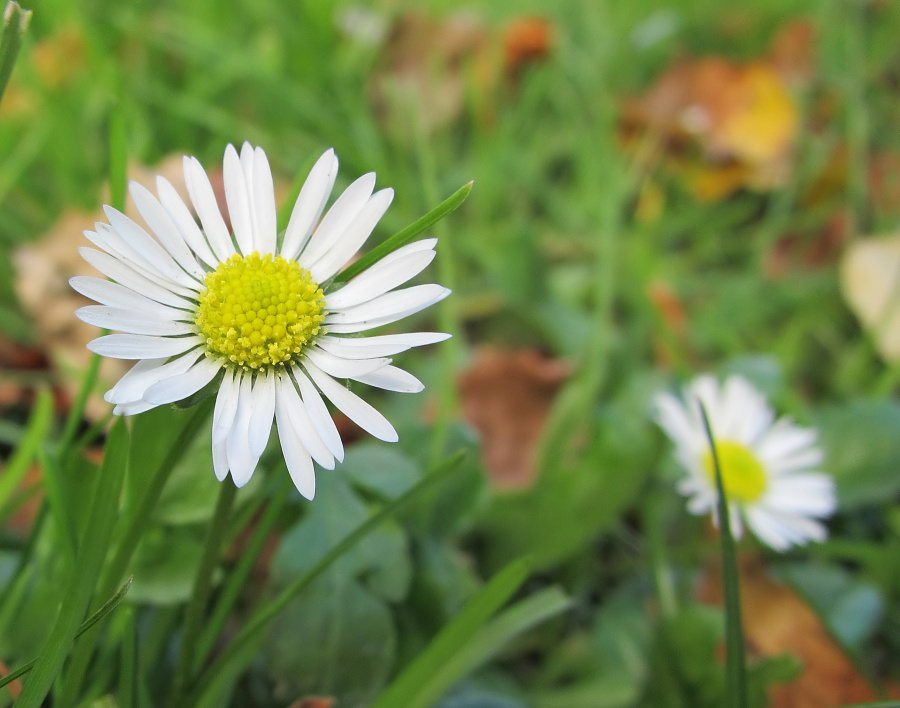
{"x": 202, "y": 584}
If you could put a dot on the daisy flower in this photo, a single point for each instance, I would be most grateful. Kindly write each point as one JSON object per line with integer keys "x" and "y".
{"x": 767, "y": 466}
{"x": 192, "y": 302}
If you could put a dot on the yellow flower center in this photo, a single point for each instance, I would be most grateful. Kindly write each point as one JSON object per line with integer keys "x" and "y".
{"x": 259, "y": 311}
{"x": 743, "y": 475}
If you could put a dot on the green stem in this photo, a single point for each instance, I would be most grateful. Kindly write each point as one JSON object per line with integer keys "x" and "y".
{"x": 237, "y": 576}
{"x": 202, "y": 586}
{"x": 735, "y": 663}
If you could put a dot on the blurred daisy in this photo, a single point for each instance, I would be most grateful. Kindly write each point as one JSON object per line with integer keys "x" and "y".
{"x": 193, "y": 302}
{"x": 768, "y": 467}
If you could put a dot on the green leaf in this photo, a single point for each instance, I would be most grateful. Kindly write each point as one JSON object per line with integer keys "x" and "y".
{"x": 379, "y": 469}
{"x": 382, "y": 557}
{"x": 414, "y": 687}
{"x": 405, "y": 236}
{"x": 335, "y": 624}
{"x": 861, "y": 450}
{"x": 243, "y": 647}
{"x": 164, "y": 566}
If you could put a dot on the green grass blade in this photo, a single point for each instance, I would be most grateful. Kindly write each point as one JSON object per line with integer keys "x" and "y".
{"x": 405, "y": 236}
{"x": 237, "y": 576}
{"x": 488, "y": 641}
{"x": 91, "y": 554}
{"x": 243, "y": 647}
{"x": 128, "y": 681}
{"x": 735, "y": 664}
{"x": 15, "y": 24}
{"x": 413, "y": 688}
{"x": 35, "y": 434}
{"x": 107, "y": 607}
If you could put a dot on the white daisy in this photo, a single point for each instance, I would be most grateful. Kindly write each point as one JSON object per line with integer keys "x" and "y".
{"x": 193, "y": 301}
{"x": 768, "y": 467}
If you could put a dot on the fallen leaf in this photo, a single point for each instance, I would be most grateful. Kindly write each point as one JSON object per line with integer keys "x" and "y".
{"x": 870, "y": 282}
{"x": 525, "y": 41}
{"x": 506, "y": 396}
{"x": 777, "y": 621}
{"x": 723, "y": 125}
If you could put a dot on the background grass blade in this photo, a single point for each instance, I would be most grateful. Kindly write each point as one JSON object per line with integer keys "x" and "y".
{"x": 491, "y": 639}
{"x": 15, "y": 24}
{"x": 91, "y": 554}
{"x": 735, "y": 663}
{"x": 405, "y": 236}
{"x": 414, "y": 687}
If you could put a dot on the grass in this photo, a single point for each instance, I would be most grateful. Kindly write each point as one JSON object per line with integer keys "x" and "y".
{"x": 581, "y": 239}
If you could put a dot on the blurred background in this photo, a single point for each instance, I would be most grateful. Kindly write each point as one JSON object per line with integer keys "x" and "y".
{"x": 661, "y": 189}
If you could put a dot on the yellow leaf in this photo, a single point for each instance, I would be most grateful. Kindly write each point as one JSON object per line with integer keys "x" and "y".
{"x": 870, "y": 280}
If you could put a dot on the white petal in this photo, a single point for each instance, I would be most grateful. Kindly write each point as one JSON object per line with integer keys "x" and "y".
{"x": 204, "y": 200}
{"x": 238, "y": 201}
{"x": 343, "y": 368}
{"x": 177, "y": 388}
{"x": 262, "y": 201}
{"x": 339, "y": 217}
{"x": 130, "y": 388}
{"x": 131, "y": 321}
{"x": 123, "y": 273}
{"x": 291, "y": 413}
{"x": 132, "y": 408}
{"x": 804, "y": 494}
{"x": 352, "y": 238}
{"x": 297, "y": 459}
{"x": 184, "y": 221}
{"x": 136, "y": 240}
{"x": 309, "y": 205}
{"x": 263, "y": 412}
{"x": 220, "y": 461}
{"x": 226, "y": 405}
{"x": 105, "y": 238}
{"x": 391, "y": 378}
{"x": 165, "y": 230}
{"x": 351, "y": 405}
{"x": 383, "y": 310}
{"x": 378, "y": 279}
{"x": 141, "y": 346}
{"x": 319, "y": 415}
{"x": 241, "y": 460}
{"x": 383, "y": 345}
{"x": 115, "y": 295}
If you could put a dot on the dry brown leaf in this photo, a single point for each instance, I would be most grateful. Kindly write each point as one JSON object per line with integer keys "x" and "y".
{"x": 43, "y": 269}
{"x": 777, "y": 621}
{"x": 506, "y": 396}
{"x": 870, "y": 282}
{"x": 724, "y": 125}
{"x": 313, "y": 702}
{"x": 525, "y": 40}
{"x": 431, "y": 65}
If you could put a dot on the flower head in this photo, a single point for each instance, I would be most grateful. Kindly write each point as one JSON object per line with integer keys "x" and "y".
{"x": 767, "y": 466}
{"x": 191, "y": 302}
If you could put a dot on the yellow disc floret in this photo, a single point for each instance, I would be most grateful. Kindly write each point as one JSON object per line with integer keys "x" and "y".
{"x": 259, "y": 311}
{"x": 743, "y": 475}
